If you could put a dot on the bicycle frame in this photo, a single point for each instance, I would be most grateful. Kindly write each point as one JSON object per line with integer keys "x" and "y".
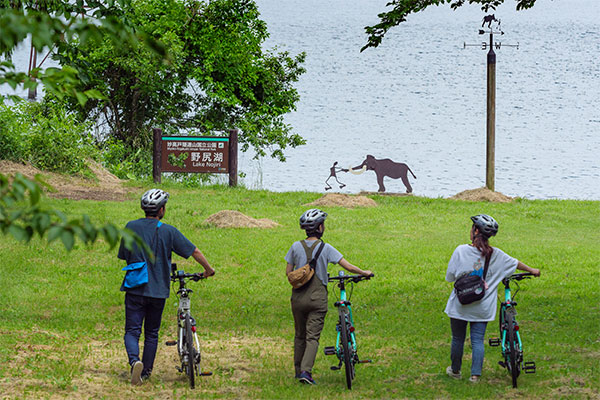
{"x": 508, "y": 306}
{"x": 183, "y": 310}
{"x": 343, "y": 304}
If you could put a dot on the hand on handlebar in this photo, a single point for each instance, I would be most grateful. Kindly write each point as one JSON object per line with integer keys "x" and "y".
{"x": 536, "y": 272}
{"x": 367, "y": 273}
{"x": 210, "y": 271}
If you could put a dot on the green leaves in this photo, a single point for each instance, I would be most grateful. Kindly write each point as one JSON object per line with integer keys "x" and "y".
{"x": 21, "y": 216}
{"x": 403, "y": 8}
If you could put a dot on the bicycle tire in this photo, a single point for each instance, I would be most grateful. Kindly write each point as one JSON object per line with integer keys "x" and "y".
{"x": 190, "y": 368}
{"x": 513, "y": 349}
{"x": 346, "y": 346}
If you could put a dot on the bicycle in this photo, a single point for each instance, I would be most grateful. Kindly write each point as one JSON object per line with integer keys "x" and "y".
{"x": 345, "y": 344}
{"x": 510, "y": 337}
{"x": 188, "y": 346}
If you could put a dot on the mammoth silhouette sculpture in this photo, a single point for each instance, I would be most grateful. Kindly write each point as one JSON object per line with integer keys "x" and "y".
{"x": 488, "y": 19}
{"x": 386, "y": 167}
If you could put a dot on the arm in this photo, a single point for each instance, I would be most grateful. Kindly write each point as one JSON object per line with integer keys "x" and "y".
{"x": 527, "y": 268}
{"x": 199, "y": 257}
{"x": 353, "y": 268}
{"x": 289, "y": 268}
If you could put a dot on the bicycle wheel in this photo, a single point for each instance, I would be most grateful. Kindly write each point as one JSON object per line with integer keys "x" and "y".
{"x": 346, "y": 348}
{"x": 190, "y": 367}
{"x": 513, "y": 349}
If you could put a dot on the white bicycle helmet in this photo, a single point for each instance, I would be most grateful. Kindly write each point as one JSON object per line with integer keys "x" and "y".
{"x": 311, "y": 219}
{"x": 153, "y": 200}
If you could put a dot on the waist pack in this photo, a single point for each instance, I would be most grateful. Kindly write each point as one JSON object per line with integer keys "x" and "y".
{"x": 137, "y": 273}
{"x": 471, "y": 288}
{"x": 299, "y": 277}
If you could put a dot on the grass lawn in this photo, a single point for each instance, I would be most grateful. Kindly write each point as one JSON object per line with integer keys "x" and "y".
{"x": 62, "y": 315}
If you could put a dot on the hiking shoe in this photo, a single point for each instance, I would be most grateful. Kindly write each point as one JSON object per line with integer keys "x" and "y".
{"x": 136, "y": 373}
{"x": 452, "y": 374}
{"x": 474, "y": 378}
{"x": 306, "y": 377}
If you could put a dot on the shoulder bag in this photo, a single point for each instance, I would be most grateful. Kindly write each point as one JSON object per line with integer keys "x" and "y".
{"x": 299, "y": 277}
{"x": 471, "y": 288}
{"x": 137, "y": 273}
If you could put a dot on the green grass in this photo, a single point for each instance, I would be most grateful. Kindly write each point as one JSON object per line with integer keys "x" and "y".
{"x": 61, "y": 314}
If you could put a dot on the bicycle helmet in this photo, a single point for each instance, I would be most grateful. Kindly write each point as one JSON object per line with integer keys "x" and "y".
{"x": 311, "y": 219}
{"x": 485, "y": 224}
{"x": 153, "y": 200}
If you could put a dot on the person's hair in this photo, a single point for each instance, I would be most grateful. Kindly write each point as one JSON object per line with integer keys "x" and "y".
{"x": 152, "y": 213}
{"x": 316, "y": 234}
{"x": 480, "y": 241}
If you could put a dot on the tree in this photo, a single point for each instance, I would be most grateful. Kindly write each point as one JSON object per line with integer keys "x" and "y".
{"x": 52, "y": 25}
{"x": 218, "y": 78}
{"x": 22, "y": 214}
{"x": 402, "y": 8}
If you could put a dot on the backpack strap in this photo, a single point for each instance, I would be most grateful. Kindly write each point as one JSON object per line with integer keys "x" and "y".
{"x": 487, "y": 264}
{"x": 313, "y": 262}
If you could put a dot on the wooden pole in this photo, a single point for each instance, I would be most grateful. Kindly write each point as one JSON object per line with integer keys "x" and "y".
{"x": 233, "y": 157}
{"x": 156, "y": 154}
{"x": 491, "y": 116}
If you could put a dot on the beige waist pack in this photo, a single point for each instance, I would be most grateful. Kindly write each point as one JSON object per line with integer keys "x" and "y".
{"x": 299, "y": 277}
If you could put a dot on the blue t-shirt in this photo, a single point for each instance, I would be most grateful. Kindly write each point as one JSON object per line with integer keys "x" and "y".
{"x": 162, "y": 242}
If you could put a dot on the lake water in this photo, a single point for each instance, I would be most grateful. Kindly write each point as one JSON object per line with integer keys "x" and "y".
{"x": 420, "y": 98}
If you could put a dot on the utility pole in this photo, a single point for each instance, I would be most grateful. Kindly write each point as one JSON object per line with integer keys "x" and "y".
{"x": 491, "y": 94}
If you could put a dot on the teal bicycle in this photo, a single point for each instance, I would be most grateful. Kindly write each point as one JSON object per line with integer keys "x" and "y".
{"x": 345, "y": 344}
{"x": 510, "y": 337}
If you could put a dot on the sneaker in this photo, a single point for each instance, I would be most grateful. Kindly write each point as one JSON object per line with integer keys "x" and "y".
{"x": 306, "y": 377}
{"x": 136, "y": 373}
{"x": 474, "y": 378}
{"x": 452, "y": 374}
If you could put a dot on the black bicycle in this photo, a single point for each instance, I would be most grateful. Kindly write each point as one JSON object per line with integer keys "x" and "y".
{"x": 510, "y": 337}
{"x": 188, "y": 346}
{"x": 346, "y": 348}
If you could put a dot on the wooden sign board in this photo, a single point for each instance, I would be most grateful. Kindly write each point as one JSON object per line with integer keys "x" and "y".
{"x": 199, "y": 154}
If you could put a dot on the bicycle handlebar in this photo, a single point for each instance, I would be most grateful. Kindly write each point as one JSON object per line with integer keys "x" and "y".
{"x": 518, "y": 277}
{"x": 353, "y": 278}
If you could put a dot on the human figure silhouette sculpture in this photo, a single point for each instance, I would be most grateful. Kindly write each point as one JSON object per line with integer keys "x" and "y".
{"x": 333, "y": 174}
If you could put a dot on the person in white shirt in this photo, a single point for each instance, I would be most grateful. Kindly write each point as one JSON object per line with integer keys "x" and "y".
{"x": 470, "y": 259}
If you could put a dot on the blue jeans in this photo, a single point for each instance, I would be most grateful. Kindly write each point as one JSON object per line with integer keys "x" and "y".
{"x": 459, "y": 332}
{"x": 147, "y": 311}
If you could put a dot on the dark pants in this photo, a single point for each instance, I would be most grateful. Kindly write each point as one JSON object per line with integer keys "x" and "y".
{"x": 309, "y": 306}
{"x": 459, "y": 333}
{"x": 148, "y": 311}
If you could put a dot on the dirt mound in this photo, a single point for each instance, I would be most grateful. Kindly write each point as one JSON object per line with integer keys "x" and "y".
{"x": 106, "y": 186}
{"x": 235, "y": 219}
{"x": 482, "y": 194}
{"x": 343, "y": 200}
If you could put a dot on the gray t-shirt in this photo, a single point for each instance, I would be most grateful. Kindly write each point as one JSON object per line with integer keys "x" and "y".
{"x": 170, "y": 240}
{"x": 297, "y": 257}
{"x": 468, "y": 259}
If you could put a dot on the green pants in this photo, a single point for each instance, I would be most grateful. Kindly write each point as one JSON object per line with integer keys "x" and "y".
{"x": 309, "y": 306}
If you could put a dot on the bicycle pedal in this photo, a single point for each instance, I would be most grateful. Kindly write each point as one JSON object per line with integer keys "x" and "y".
{"x": 502, "y": 364}
{"x": 367, "y": 361}
{"x": 329, "y": 350}
{"x": 179, "y": 369}
{"x": 205, "y": 373}
{"x": 171, "y": 342}
{"x": 529, "y": 367}
{"x": 335, "y": 367}
{"x": 494, "y": 342}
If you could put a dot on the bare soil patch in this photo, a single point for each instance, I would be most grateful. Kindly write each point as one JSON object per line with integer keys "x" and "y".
{"x": 236, "y": 219}
{"x": 343, "y": 200}
{"x": 482, "y": 194}
{"x": 106, "y": 186}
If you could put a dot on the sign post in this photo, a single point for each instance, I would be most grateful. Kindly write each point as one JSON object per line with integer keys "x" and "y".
{"x": 195, "y": 154}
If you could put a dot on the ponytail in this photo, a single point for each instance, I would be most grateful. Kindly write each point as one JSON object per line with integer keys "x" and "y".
{"x": 481, "y": 242}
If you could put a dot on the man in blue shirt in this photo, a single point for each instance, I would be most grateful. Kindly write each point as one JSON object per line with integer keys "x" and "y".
{"x": 144, "y": 304}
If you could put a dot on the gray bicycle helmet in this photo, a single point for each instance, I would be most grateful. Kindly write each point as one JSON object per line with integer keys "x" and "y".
{"x": 311, "y": 219}
{"x": 485, "y": 224}
{"x": 153, "y": 200}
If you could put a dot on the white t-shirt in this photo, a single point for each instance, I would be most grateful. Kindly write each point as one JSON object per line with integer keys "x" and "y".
{"x": 467, "y": 258}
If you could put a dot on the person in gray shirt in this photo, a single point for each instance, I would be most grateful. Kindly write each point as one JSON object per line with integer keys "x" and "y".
{"x": 309, "y": 302}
